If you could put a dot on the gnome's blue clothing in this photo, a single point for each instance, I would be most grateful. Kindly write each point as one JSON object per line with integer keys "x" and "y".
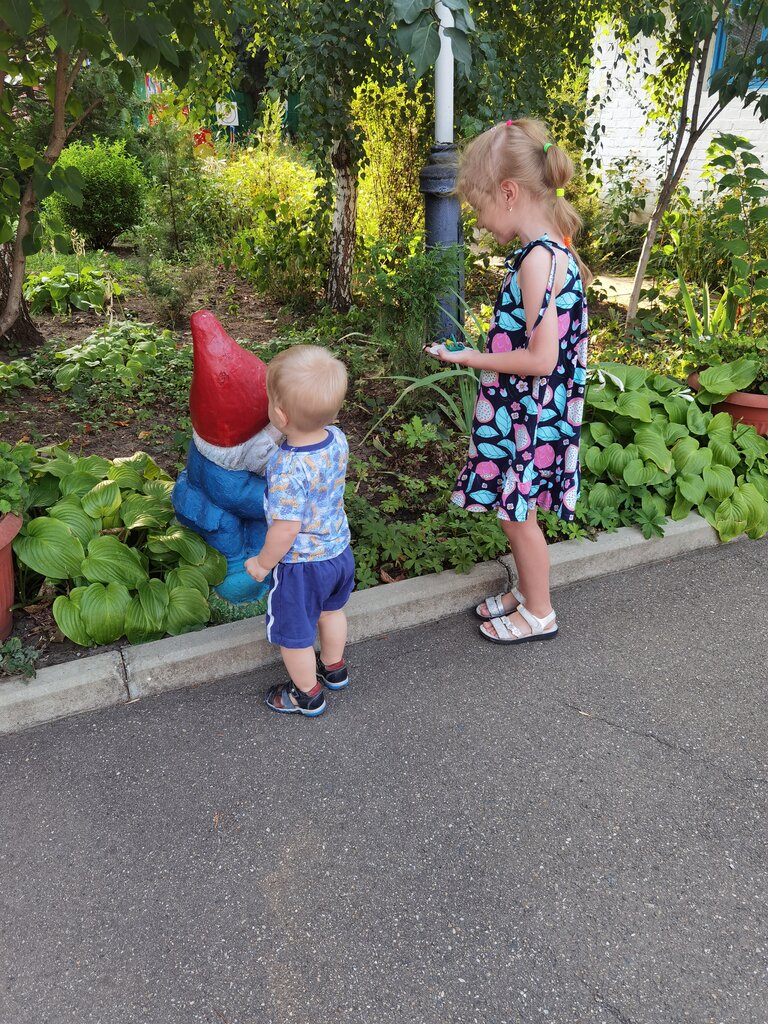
{"x": 226, "y": 508}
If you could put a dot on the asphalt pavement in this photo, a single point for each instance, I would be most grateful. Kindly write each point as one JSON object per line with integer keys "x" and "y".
{"x": 562, "y": 832}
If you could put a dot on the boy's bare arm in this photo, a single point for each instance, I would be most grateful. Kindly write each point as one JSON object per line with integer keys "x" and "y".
{"x": 278, "y": 542}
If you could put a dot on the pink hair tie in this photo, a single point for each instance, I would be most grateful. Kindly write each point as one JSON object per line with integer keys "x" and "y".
{"x": 510, "y": 123}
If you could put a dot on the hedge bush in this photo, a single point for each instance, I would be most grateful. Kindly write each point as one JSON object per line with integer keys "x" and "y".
{"x": 113, "y": 188}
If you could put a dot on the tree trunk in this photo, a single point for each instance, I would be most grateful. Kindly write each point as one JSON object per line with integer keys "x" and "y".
{"x": 645, "y": 255}
{"x": 672, "y": 180}
{"x": 338, "y": 292}
{"x": 22, "y": 334}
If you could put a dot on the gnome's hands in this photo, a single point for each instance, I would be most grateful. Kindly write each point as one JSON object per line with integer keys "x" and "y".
{"x": 255, "y": 569}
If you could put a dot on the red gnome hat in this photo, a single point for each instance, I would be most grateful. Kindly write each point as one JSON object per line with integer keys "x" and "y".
{"x": 228, "y": 397}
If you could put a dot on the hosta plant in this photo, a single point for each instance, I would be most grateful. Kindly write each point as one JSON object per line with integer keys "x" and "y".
{"x": 650, "y": 450}
{"x": 103, "y": 534}
{"x": 59, "y": 290}
{"x": 118, "y": 353}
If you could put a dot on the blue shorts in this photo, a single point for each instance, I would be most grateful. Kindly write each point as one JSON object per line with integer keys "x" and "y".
{"x": 300, "y": 591}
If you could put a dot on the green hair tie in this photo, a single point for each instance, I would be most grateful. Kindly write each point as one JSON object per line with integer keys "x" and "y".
{"x": 547, "y": 145}
{"x": 560, "y": 192}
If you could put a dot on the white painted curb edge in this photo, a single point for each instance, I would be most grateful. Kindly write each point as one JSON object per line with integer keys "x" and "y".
{"x": 220, "y": 652}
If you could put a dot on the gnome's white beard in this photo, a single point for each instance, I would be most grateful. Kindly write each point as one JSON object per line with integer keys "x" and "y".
{"x": 252, "y": 455}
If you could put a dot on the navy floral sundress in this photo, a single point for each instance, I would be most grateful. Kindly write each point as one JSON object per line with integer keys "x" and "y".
{"x": 524, "y": 447}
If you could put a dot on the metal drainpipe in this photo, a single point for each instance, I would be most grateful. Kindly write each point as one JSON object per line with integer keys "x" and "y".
{"x": 437, "y": 181}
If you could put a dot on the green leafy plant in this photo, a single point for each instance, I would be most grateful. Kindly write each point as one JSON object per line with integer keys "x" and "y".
{"x": 16, "y": 659}
{"x": 104, "y": 535}
{"x": 649, "y": 450}
{"x": 455, "y": 386}
{"x": 282, "y": 252}
{"x": 402, "y": 282}
{"x": 728, "y": 361}
{"x": 187, "y": 207}
{"x": 15, "y": 472}
{"x": 59, "y": 290}
{"x": 116, "y": 356}
{"x": 16, "y": 374}
{"x": 393, "y": 119}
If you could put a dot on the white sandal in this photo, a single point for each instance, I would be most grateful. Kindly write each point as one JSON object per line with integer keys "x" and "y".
{"x": 508, "y": 633}
{"x": 495, "y": 606}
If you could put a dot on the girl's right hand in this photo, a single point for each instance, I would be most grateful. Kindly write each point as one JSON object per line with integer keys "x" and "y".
{"x": 445, "y": 354}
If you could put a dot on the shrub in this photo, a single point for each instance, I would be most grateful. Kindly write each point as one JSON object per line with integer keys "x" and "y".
{"x": 267, "y": 174}
{"x": 618, "y": 229}
{"x": 402, "y": 282}
{"x": 187, "y": 209}
{"x": 396, "y": 142}
{"x": 282, "y": 226}
{"x": 113, "y": 187}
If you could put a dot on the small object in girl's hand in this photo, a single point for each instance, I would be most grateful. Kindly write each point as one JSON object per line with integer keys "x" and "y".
{"x": 449, "y": 344}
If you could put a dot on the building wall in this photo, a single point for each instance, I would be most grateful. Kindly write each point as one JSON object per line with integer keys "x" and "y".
{"x": 625, "y": 132}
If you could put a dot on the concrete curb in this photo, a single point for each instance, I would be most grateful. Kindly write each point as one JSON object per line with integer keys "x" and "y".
{"x": 220, "y": 652}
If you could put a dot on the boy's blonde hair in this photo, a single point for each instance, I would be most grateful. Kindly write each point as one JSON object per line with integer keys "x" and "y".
{"x": 309, "y": 385}
{"x": 520, "y": 151}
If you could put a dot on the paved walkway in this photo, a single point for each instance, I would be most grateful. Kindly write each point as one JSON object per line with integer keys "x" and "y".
{"x": 564, "y": 833}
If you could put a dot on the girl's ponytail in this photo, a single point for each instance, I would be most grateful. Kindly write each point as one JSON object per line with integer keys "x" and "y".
{"x": 558, "y": 171}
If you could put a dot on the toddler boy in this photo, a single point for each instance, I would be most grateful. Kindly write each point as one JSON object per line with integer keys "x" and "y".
{"x": 307, "y": 543}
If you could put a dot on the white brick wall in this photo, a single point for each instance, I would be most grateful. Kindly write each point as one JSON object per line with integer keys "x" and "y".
{"x": 625, "y": 131}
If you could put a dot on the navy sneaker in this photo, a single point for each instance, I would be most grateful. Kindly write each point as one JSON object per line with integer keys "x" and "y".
{"x": 332, "y": 679}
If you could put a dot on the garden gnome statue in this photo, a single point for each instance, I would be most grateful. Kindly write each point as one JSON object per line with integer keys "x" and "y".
{"x": 220, "y": 494}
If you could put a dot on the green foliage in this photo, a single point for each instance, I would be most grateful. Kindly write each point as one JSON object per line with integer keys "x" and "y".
{"x": 283, "y": 252}
{"x": 723, "y": 241}
{"x": 115, "y": 357}
{"x": 270, "y": 172}
{"x": 104, "y": 535}
{"x": 15, "y": 471}
{"x": 45, "y": 46}
{"x": 393, "y": 120}
{"x": 186, "y": 208}
{"x": 618, "y": 227}
{"x": 17, "y": 660}
{"x": 417, "y": 32}
{"x": 59, "y": 291}
{"x": 175, "y": 289}
{"x": 402, "y": 283}
{"x": 13, "y": 375}
{"x": 280, "y": 223}
{"x": 649, "y": 450}
{"x": 721, "y": 380}
{"x": 111, "y": 187}
{"x": 400, "y": 520}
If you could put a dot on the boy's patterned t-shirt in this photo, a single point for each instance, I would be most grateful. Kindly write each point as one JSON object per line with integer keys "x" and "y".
{"x": 308, "y": 484}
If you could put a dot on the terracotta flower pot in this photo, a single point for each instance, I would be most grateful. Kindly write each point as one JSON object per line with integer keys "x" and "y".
{"x": 742, "y": 406}
{"x": 9, "y": 527}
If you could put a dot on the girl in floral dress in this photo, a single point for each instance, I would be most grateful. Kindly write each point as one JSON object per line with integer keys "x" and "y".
{"x": 524, "y": 448}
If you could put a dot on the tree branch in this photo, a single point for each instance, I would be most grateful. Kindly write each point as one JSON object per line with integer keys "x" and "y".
{"x": 86, "y": 113}
{"x": 701, "y": 71}
{"x": 75, "y": 70}
{"x": 683, "y": 120}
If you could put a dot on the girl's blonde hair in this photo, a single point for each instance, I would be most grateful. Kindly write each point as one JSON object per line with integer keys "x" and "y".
{"x": 515, "y": 150}
{"x": 309, "y": 385}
